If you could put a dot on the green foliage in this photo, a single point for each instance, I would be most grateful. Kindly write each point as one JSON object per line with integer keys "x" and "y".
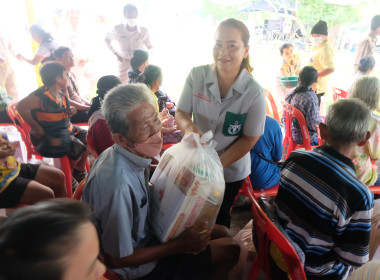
{"x": 210, "y": 8}
{"x": 311, "y": 11}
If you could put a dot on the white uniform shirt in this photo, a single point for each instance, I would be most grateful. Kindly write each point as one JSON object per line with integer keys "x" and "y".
{"x": 242, "y": 110}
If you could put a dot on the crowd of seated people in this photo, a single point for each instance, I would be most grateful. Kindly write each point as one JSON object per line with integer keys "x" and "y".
{"x": 329, "y": 217}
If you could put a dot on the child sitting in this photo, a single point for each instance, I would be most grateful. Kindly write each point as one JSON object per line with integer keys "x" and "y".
{"x": 304, "y": 99}
{"x": 47, "y": 110}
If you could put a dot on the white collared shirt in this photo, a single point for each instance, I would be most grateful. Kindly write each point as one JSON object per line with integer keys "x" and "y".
{"x": 241, "y": 111}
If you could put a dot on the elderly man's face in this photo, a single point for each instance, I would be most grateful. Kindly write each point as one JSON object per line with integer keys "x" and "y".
{"x": 144, "y": 122}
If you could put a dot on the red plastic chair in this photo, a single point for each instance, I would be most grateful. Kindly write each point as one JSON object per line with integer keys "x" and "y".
{"x": 375, "y": 189}
{"x": 266, "y": 233}
{"x": 24, "y": 129}
{"x": 274, "y": 112}
{"x": 78, "y": 192}
{"x": 339, "y": 94}
{"x": 246, "y": 188}
{"x": 291, "y": 112}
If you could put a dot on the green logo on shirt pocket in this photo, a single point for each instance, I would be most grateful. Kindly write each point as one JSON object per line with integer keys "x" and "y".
{"x": 233, "y": 124}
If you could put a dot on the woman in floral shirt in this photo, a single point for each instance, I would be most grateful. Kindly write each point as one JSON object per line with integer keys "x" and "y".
{"x": 367, "y": 89}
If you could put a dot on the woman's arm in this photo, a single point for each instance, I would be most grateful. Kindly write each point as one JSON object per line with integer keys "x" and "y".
{"x": 185, "y": 123}
{"x": 238, "y": 149}
{"x": 34, "y": 61}
{"x": 325, "y": 72}
{"x": 79, "y": 106}
{"x": 24, "y": 107}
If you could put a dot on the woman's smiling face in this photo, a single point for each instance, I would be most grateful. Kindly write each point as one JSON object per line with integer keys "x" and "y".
{"x": 229, "y": 50}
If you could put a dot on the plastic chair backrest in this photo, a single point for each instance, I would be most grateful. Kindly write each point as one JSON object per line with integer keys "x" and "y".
{"x": 273, "y": 112}
{"x": 291, "y": 112}
{"x": 78, "y": 192}
{"x": 267, "y": 232}
{"x": 339, "y": 94}
{"x": 23, "y": 127}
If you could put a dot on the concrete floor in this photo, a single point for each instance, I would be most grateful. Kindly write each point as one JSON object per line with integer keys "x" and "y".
{"x": 240, "y": 216}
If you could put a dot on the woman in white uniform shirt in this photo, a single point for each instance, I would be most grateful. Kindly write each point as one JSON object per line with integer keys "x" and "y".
{"x": 224, "y": 98}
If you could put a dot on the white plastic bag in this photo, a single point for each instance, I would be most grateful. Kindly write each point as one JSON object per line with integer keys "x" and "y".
{"x": 188, "y": 186}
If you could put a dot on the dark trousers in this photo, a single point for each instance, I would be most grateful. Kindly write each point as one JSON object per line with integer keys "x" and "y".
{"x": 224, "y": 215}
{"x": 80, "y": 117}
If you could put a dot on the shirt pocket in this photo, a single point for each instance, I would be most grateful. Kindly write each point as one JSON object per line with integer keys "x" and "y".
{"x": 233, "y": 124}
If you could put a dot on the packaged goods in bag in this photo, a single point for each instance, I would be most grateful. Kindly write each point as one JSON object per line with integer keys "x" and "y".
{"x": 188, "y": 186}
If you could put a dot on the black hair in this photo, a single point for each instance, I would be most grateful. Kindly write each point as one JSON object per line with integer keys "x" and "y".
{"x": 58, "y": 52}
{"x": 138, "y": 58}
{"x": 366, "y": 63}
{"x": 308, "y": 75}
{"x": 285, "y": 46}
{"x": 46, "y": 37}
{"x": 105, "y": 84}
{"x": 34, "y": 239}
{"x": 50, "y": 71}
{"x": 375, "y": 22}
{"x": 151, "y": 73}
{"x": 129, "y": 8}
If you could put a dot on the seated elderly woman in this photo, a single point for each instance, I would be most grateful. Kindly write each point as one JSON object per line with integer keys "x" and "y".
{"x": 304, "y": 99}
{"x": 99, "y": 136}
{"x": 367, "y": 89}
{"x": 152, "y": 77}
{"x": 139, "y": 61}
{"x": 50, "y": 240}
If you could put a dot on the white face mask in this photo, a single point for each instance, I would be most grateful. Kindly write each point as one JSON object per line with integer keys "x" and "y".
{"x": 316, "y": 40}
{"x": 132, "y": 22}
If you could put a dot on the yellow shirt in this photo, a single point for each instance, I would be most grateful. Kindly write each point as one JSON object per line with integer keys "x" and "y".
{"x": 156, "y": 99}
{"x": 322, "y": 58}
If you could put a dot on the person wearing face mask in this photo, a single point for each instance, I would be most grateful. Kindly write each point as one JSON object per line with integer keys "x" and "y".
{"x": 124, "y": 39}
{"x": 322, "y": 57}
{"x": 367, "y": 46}
{"x": 117, "y": 190}
{"x": 224, "y": 97}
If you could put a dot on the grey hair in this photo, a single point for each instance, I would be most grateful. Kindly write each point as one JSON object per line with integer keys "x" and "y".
{"x": 347, "y": 121}
{"x": 367, "y": 89}
{"x": 121, "y": 101}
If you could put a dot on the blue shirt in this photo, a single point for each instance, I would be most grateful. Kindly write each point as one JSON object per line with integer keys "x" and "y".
{"x": 263, "y": 173}
{"x": 116, "y": 190}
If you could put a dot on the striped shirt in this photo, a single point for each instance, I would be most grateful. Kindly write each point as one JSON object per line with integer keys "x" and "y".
{"x": 326, "y": 210}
